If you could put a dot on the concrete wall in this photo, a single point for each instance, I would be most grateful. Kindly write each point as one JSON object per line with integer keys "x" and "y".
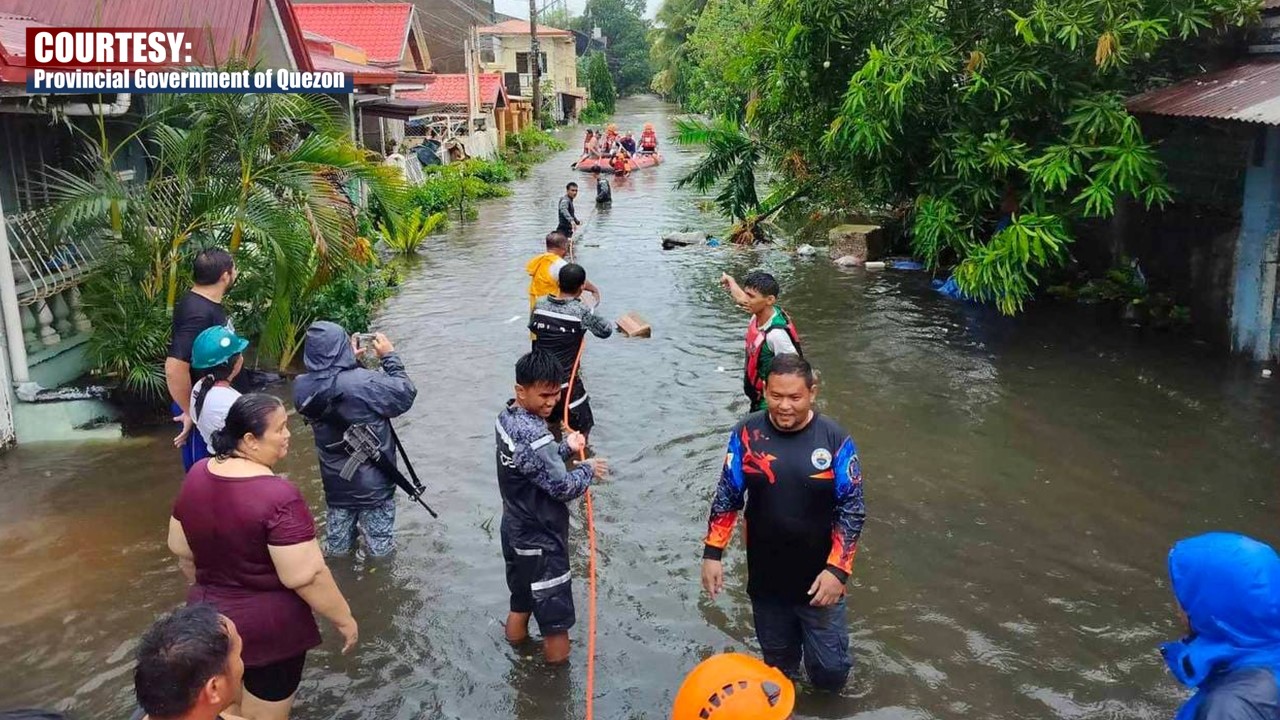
{"x": 1188, "y": 248}
{"x": 1254, "y": 309}
{"x": 562, "y": 58}
{"x": 446, "y": 23}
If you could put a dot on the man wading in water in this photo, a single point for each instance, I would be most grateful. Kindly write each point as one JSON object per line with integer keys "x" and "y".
{"x": 797, "y": 474}
{"x": 770, "y": 334}
{"x": 198, "y": 310}
{"x": 535, "y": 491}
{"x": 559, "y": 323}
{"x": 568, "y": 218}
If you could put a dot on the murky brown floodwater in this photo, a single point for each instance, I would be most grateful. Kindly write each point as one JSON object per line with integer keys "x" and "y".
{"x": 1024, "y": 480}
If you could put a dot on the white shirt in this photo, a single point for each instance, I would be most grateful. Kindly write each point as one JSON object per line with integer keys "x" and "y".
{"x": 214, "y": 413}
{"x": 555, "y": 269}
{"x": 779, "y": 341}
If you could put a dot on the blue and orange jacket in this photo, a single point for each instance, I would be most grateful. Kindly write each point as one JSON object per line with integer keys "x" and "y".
{"x": 802, "y": 492}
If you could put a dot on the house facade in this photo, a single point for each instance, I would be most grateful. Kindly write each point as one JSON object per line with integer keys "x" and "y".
{"x": 506, "y": 49}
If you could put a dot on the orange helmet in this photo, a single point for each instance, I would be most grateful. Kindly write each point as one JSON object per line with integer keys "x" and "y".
{"x": 732, "y": 686}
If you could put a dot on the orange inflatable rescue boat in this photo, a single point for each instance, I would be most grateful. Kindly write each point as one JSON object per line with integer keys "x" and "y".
{"x": 636, "y": 162}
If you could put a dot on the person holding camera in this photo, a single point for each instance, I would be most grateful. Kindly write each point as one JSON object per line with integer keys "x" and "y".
{"x": 350, "y": 410}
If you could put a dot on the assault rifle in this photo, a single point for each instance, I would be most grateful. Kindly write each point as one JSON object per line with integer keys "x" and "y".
{"x": 362, "y": 445}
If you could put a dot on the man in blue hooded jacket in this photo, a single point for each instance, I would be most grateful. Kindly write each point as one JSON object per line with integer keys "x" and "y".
{"x": 1228, "y": 586}
{"x": 336, "y": 394}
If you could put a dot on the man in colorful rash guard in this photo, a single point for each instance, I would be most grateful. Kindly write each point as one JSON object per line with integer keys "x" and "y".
{"x": 797, "y": 475}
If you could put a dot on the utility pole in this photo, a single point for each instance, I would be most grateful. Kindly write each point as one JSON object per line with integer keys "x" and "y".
{"x": 535, "y": 58}
{"x": 467, "y": 47}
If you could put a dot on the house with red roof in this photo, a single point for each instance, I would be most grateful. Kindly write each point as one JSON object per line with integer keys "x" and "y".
{"x": 383, "y": 35}
{"x": 506, "y": 48}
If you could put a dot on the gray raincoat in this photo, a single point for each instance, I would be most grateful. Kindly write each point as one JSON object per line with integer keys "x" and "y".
{"x": 368, "y": 398}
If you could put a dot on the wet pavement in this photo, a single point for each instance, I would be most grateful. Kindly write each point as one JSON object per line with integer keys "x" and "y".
{"x": 1024, "y": 480}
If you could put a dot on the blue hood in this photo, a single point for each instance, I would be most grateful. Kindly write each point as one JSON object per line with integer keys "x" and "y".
{"x": 1229, "y": 587}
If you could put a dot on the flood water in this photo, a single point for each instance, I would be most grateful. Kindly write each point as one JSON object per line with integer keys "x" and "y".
{"x": 1024, "y": 480}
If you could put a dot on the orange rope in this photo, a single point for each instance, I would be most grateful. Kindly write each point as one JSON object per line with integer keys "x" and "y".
{"x": 591, "y": 549}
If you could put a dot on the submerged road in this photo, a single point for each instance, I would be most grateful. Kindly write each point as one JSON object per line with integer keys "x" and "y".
{"x": 1024, "y": 480}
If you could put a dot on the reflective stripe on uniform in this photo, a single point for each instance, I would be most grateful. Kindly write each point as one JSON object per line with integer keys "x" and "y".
{"x": 558, "y": 316}
{"x": 540, "y": 442}
{"x": 547, "y": 584}
{"x": 578, "y": 402}
{"x": 533, "y": 552}
{"x": 502, "y": 433}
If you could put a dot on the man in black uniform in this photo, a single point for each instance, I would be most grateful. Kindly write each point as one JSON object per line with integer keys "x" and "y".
{"x": 568, "y": 219}
{"x": 535, "y": 491}
{"x": 797, "y": 474}
{"x": 559, "y": 324}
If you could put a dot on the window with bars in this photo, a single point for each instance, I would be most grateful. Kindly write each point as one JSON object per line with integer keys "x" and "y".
{"x": 522, "y": 63}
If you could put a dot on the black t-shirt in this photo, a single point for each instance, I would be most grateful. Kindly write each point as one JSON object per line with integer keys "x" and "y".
{"x": 193, "y": 314}
{"x": 804, "y": 507}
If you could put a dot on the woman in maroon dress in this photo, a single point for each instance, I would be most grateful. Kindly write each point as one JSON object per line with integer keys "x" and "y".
{"x": 247, "y": 542}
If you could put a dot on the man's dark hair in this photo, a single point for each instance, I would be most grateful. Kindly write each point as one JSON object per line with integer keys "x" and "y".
{"x": 790, "y": 364}
{"x": 763, "y": 283}
{"x": 557, "y": 240}
{"x": 539, "y": 367}
{"x": 571, "y": 186}
{"x": 177, "y": 656}
{"x": 210, "y": 265}
{"x": 572, "y": 277}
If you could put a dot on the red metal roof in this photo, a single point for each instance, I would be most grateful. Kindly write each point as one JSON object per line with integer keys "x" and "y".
{"x": 380, "y": 29}
{"x": 13, "y": 35}
{"x": 1249, "y": 92}
{"x": 360, "y": 74}
{"x": 232, "y": 25}
{"x": 452, "y": 90}
{"x": 521, "y": 27}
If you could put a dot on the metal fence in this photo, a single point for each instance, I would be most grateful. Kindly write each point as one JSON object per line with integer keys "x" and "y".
{"x": 47, "y": 261}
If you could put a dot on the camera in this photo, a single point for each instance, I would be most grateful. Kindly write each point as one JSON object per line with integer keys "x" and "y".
{"x": 364, "y": 341}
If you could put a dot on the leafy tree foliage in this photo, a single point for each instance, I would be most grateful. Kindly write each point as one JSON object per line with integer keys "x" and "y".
{"x": 600, "y": 83}
{"x": 623, "y": 23}
{"x": 998, "y": 125}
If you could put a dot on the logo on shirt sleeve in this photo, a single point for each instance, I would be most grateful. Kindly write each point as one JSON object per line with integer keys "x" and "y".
{"x": 821, "y": 458}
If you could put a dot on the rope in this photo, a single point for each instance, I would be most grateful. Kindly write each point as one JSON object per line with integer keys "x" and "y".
{"x": 591, "y": 549}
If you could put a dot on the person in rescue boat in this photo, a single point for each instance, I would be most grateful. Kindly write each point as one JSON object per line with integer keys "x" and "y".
{"x": 769, "y": 334}
{"x": 536, "y": 489}
{"x": 648, "y": 140}
{"x": 797, "y": 474}
{"x": 559, "y": 324}
{"x": 1228, "y": 589}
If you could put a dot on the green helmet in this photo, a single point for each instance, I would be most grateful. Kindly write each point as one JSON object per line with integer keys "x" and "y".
{"x": 215, "y": 346}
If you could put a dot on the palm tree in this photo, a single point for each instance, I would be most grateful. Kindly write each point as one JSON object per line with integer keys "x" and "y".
{"x": 732, "y": 160}
{"x": 267, "y": 176}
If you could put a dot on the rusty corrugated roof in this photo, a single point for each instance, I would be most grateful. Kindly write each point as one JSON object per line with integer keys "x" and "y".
{"x": 231, "y": 24}
{"x": 1249, "y": 92}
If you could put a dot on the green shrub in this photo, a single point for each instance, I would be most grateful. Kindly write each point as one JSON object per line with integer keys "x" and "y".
{"x": 406, "y": 233}
{"x": 593, "y": 113}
